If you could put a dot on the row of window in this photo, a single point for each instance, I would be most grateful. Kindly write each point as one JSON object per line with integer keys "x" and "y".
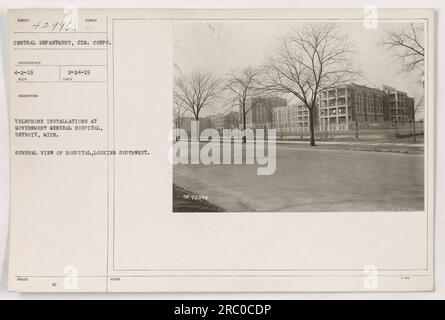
{"x": 359, "y": 118}
{"x": 333, "y": 93}
{"x": 341, "y": 111}
{"x": 335, "y": 128}
{"x": 292, "y": 125}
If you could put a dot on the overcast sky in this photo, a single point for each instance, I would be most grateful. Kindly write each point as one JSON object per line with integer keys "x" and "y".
{"x": 222, "y": 47}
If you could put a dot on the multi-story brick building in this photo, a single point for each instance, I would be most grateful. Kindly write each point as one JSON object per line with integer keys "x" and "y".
{"x": 342, "y": 108}
{"x": 351, "y": 106}
{"x": 231, "y": 120}
{"x": 410, "y": 108}
{"x": 222, "y": 121}
{"x": 399, "y": 107}
{"x": 204, "y": 123}
{"x": 260, "y": 115}
{"x": 293, "y": 118}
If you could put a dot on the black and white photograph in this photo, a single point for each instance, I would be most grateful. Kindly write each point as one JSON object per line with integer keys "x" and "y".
{"x": 298, "y": 116}
{"x": 223, "y": 152}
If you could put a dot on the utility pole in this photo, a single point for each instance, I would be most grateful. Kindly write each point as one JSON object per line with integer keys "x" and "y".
{"x": 356, "y": 127}
{"x": 397, "y": 128}
{"x": 326, "y": 128}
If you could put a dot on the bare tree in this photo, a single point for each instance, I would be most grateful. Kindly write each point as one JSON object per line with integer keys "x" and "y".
{"x": 407, "y": 46}
{"x": 416, "y": 108}
{"x": 310, "y": 59}
{"x": 196, "y": 91}
{"x": 178, "y": 114}
{"x": 242, "y": 87}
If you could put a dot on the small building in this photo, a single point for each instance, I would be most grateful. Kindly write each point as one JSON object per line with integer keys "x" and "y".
{"x": 217, "y": 121}
{"x": 222, "y": 121}
{"x": 186, "y": 123}
{"x": 205, "y": 123}
{"x": 231, "y": 120}
{"x": 293, "y": 118}
{"x": 260, "y": 115}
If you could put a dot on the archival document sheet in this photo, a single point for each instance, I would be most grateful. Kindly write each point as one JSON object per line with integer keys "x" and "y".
{"x": 221, "y": 150}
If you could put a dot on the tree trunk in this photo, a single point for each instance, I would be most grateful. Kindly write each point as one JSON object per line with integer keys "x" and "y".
{"x": 244, "y": 126}
{"x": 397, "y": 129}
{"x": 177, "y": 131}
{"x": 414, "y": 128}
{"x": 356, "y": 128}
{"x": 311, "y": 125}
{"x": 198, "y": 137}
{"x": 354, "y": 117}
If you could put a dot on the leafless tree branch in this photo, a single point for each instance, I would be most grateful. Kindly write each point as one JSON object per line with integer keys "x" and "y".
{"x": 242, "y": 86}
{"x": 406, "y": 46}
{"x": 310, "y": 59}
{"x": 196, "y": 91}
